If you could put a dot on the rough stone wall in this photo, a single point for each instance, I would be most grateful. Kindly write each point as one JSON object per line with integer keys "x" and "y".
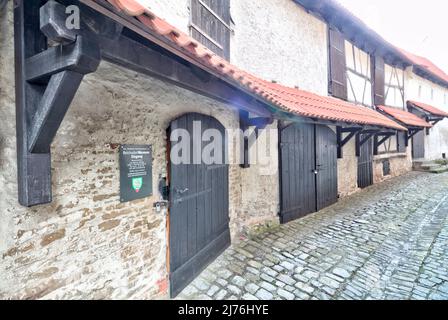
{"x": 86, "y": 244}
{"x": 260, "y": 182}
{"x": 400, "y": 163}
{"x": 436, "y": 142}
{"x": 348, "y": 170}
{"x": 277, "y": 40}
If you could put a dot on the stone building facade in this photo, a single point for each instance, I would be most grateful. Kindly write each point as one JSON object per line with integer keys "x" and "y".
{"x": 86, "y": 244}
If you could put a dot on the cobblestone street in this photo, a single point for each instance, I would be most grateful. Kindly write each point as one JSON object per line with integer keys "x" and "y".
{"x": 389, "y": 241}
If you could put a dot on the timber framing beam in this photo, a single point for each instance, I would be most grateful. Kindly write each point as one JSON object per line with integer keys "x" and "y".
{"x": 433, "y": 121}
{"x": 46, "y": 82}
{"x": 411, "y": 133}
{"x": 246, "y": 122}
{"x": 51, "y": 61}
{"x": 341, "y": 140}
{"x": 363, "y": 137}
{"x": 381, "y": 138}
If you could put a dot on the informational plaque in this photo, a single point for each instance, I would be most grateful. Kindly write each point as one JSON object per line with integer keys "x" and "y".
{"x": 135, "y": 172}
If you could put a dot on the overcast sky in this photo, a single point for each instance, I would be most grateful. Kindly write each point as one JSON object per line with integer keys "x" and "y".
{"x": 418, "y": 26}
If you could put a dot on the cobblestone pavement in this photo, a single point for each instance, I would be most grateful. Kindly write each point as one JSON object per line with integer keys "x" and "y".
{"x": 389, "y": 241}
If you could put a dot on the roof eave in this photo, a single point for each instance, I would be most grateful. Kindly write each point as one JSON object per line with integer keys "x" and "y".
{"x": 355, "y": 30}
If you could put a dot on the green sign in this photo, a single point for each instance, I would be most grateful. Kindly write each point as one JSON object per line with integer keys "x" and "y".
{"x": 135, "y": 172}
{"x": 137, "y": 184}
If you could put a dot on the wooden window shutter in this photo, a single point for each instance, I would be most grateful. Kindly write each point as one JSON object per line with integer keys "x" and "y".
{"x": 210, "y": 25}
{"x": 379, "y": 81}
{"x": 337, "y": 65}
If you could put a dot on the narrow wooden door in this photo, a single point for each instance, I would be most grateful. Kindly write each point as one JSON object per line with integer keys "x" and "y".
{"x": 298, "y": 179}
{"x": 418, "y": 145}
{"x": 326, "y": 167}
{"x": 199, "y": 206}
{"x": 365, "y": 163}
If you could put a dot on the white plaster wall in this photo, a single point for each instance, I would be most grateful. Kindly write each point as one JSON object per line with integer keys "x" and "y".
{"x": 277, "y": 40}
{"x": 436, "y": 142}
{"x": 348, "y": 170}
{"x": 273, "y": 39}
{"x": 359, "y": 90}
{"x": 176, "y": 12}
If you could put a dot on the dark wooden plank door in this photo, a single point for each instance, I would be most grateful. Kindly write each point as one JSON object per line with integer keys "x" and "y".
{"x": 365, "y": 163}
{"x": 199, "y": 207}
{"x": 308, "y": 177}
{"x": 326, "y": 167}
{"x": 298, "y": 181}
{"x": 418, "y": 145}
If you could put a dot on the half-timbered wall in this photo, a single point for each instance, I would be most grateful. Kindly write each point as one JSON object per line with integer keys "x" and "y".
{"x": 423, "y": 90}
{"x": 392, "y": 153}
{"x": 390, "y": 146}
{"x": 394, "y": 87}
{"x": 359, "y": 75}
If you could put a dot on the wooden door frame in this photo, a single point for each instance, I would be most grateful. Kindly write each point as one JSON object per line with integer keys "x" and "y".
{"x": 223, "y": 240}
{"x": 168, "y": 182}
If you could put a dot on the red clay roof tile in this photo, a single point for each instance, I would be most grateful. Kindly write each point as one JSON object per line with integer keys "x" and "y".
{"x": 426, "y": 64}
{"x": 429, "y": 108}
{"x": 405, "y": 117}
{"x": 298, "y": 102}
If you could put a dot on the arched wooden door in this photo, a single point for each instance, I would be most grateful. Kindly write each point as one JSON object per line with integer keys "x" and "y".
{"x": 199, "y": 204}
{"x": 308, "y": 177}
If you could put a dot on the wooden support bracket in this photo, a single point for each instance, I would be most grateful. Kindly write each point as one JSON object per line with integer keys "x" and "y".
{"x": 412, "y": 133}
{"x": 46, "y": 82}
{"x": 352, "y": 131}
{"x": 360, "y": 141}
{"x": 259, "y": 123}
{"x": 47, "y": 79}
{"x": 380, "y": 138}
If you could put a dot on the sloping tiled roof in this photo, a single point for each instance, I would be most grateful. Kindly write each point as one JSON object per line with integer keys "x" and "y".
{"x": 428, "y": 108}
{"x": 295, "y": 101}
{"x": 405, "y": 117}
{"x": 427, "y": 65}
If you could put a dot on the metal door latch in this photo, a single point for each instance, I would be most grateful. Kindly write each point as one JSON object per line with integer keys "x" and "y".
{"x": 158, "y": 206}
{"x": 179, "y": 191}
